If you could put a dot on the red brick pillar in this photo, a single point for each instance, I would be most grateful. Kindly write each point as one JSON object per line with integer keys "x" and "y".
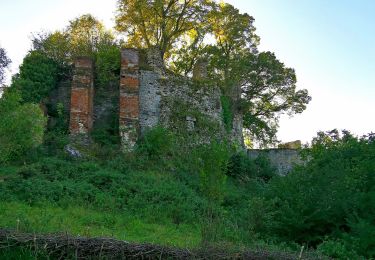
{"x": 82, "y": 96}
{"x": 129, "y": 98}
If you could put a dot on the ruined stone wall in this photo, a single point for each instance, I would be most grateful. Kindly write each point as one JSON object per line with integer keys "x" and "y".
{"x": 129, "y": 98}
{"x": 82, "y": 97}
{"x": 196, "y": 109}
{"x": 178, "y": 103}
{"x": 282, "y": 159}
{"x": 236, "y": 134}
{"x": 148, "y": 96}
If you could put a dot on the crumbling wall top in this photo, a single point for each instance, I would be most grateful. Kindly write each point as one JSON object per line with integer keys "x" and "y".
{"x": 83, "y": 62}
{"x": 130, "y": 59}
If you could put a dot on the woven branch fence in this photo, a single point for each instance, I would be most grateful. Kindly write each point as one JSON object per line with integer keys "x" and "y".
{"x": 64, "y": 246}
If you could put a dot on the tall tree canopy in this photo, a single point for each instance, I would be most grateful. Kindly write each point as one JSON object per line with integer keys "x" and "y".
{"x": 52, "y": 55}
{"x": 4, "y": 63}
{"x": 82, "y": 37}
{"x": 37, "y": 77}
{"x": 158, "y": 23}
{"x": 258, "y": 85}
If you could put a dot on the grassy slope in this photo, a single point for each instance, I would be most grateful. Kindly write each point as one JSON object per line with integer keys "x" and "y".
{"x": 87, "y": 222}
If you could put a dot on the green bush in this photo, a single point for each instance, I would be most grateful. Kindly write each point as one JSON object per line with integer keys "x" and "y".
{"x": 159, "y": 197}
{"x": 259, "y": 216}
{"x": 21, "y": 126}
{"x": 326, "y": 203}
{"x": 107, "y": 65}
{"x": 241, "y": 167}
{"x": 212, "y": 159}
{"x": 12, "y": 252}
{"x": 37, "y": 77}
{"x": 227, "y": 112}
{"x": 337, "y": 250}
{"x": 324, "y": 196}
{"x": 157, "y": 143}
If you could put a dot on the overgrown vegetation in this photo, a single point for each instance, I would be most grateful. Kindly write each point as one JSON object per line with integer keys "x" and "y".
{"x": 37, "y": 77}
{"x": 227, "y": 113}
{"x": 168, "y": 191}
{"x": 4, "y": 64}
{"x": 166, "y": 194}
{"x": 21, "y": 126}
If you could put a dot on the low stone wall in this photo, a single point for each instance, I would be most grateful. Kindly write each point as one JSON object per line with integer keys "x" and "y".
{"x": 282, "y": 159}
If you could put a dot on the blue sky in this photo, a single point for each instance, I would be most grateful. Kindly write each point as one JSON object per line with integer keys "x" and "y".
{"x": 330, "y": 43}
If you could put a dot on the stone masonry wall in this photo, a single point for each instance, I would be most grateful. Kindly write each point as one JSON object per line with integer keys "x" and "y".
{"x": 150, "y": 98}
{"x": 178, "y": 103}
{"x": 129, "y": 98}
{"x": 282, "y": 159}
{"x": 149, "y": 95}
{"x": 82, "y": 95}
{"x": 194, "y": 102}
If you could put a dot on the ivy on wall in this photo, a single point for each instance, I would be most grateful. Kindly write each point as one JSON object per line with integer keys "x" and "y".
{"x": 227, "y": 112}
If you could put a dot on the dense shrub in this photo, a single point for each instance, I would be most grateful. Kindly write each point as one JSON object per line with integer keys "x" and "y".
{"x": 147, "y": 194}
{"x": 37, "y": 77}
{"x": 157, "y": 143}
{"x": 107, "y": 65}
{"x": 332, "y": 195}
{"x": 227, "y": 112}
{"x": 21, "y": 126}
{"x": 241, "y": 167}
{"x": 327, "y": 203}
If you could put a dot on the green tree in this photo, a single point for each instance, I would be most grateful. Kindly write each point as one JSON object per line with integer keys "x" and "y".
{"x": 54, "y": 45}
{"x": 212, "y": 160}
{"x": 21, "y": 126}
{"x": 158, "y": 23}
{"x": 4, "y": 63}
{"x": 332, "y": 195}
{"x": 257, "y": 84}
{"x": 37, "y": 77}
{"x": 84, "y": 36}
{"x": 268, "y": 89}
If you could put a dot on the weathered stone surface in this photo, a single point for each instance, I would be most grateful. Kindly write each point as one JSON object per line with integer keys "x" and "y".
{"x": 236, "y": 135}
{"x": 282, "y": 159}
{"x": 129, "y": 106}
{"x": 176, "y": 103}
{"x": 291, "y": 145}
{"x": 82, "y": 95}
{"x": 75, "y": 153}
{"x": 149, "y": 98}
{"x": 129, "y": 98}
{"x": 190, "y": 123}
{"x": 130, "y": 60}
{"x": 106, "y": 109}
{"x": 155, "y": 60}
{"x": 181, "y": 101}
{"x": 200, "y": 70}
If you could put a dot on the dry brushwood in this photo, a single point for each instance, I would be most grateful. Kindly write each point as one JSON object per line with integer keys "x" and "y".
{"x": 64, "y": 246}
